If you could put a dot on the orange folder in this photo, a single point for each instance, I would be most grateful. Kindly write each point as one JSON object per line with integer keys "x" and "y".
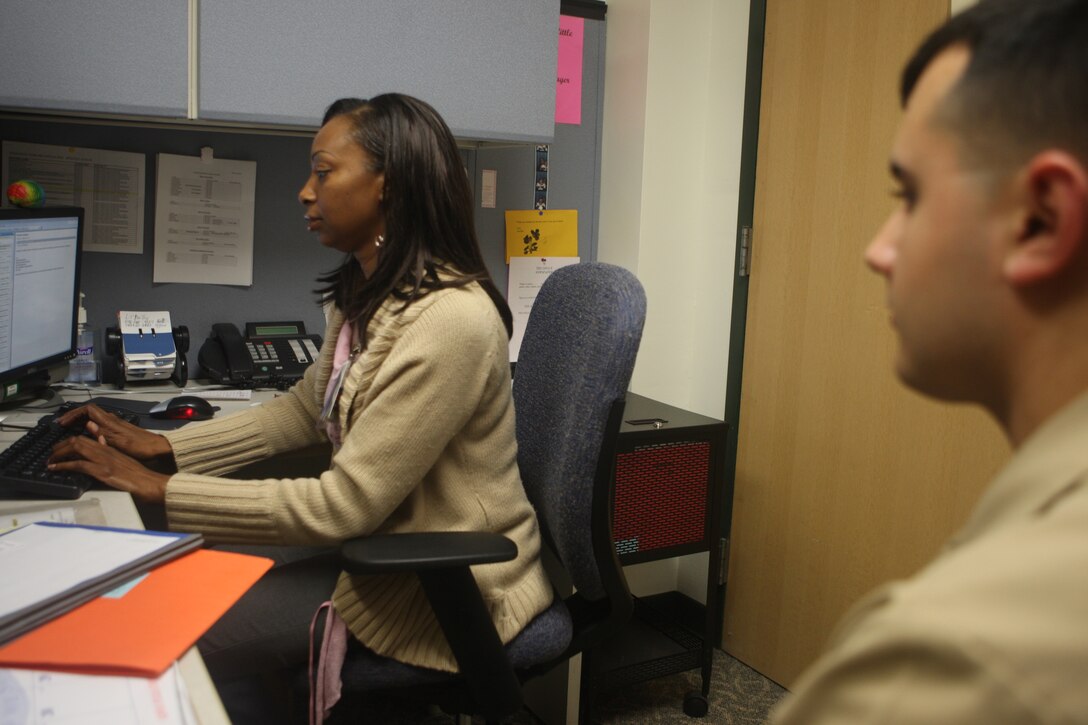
{"x": 146, "y": 629}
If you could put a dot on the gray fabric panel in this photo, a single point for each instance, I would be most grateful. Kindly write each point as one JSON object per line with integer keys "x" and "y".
{"x": 124, "y": 56}
{"x": 488, "y": 66}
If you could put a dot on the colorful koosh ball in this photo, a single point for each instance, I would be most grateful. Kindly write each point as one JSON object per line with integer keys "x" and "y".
{"x": 26, "y": 193}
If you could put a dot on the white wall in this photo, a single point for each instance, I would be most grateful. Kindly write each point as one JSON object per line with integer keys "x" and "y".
{"x": 670, "y": 166}
{"x": 670, "y": 169}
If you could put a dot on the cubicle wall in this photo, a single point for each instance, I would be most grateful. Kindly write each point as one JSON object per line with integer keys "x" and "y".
{"x": 574, "y": 161}
{"x": 287, "y": 259}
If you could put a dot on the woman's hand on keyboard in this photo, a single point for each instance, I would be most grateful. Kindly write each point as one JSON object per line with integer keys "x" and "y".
{"x": 90, "y": 456}
{"x": 109, "y": 429}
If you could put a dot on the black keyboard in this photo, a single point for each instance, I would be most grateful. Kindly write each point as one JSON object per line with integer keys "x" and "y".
{"x": 22, "y": 465}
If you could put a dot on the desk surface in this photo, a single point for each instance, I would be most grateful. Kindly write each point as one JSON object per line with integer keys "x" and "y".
{"x": 119, "y": 510}
{"x": 152, "y": 392}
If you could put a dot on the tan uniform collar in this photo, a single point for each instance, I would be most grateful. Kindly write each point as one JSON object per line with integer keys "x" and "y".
{"x": 1051, "y": 463}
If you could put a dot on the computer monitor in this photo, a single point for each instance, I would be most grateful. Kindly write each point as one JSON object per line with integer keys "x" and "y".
{"x": 39, "y": 295}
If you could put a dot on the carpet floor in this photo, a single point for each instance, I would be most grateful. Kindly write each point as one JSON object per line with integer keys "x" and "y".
{"x": 738, "y": 696}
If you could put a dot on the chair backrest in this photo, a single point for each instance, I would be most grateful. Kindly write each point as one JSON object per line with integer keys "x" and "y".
{"x": 575, "y": 362}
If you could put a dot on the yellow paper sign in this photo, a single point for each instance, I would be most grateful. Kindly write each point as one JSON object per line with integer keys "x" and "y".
{"x": 533, "y": 233}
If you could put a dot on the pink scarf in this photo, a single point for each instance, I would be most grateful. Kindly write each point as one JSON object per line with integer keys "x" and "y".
{"x": 344, "y": 342}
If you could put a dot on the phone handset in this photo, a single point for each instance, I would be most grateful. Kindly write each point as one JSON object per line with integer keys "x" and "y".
{"x": 224, "y": 357}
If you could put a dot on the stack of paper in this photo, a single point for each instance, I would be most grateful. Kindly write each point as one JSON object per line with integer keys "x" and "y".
{"x": 141, "y": 630}
{"x": 51, "y": 568}
{"x": 147, "y": 343}
{"x": 115, "y": 651}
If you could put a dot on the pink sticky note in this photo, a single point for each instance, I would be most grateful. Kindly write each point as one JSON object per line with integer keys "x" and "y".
{"x": 568, "y": 81}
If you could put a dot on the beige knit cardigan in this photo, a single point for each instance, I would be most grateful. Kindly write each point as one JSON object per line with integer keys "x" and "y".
{"x": 428, "y": 445}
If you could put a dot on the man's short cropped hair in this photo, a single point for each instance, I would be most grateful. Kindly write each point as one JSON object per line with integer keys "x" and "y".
{"x": 1026, "y": 85}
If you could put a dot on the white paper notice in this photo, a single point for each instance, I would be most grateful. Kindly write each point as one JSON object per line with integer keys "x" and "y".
{"x": 489, "y": 185}
{"x": 527, "y": 274}
{"x": 204, "y": 220}
{"x": 109, "y": 185}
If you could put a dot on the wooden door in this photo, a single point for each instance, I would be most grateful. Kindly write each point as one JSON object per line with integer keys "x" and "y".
{"x": 844, "y": 478}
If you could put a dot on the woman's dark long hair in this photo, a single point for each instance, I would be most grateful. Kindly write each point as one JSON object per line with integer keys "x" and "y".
{"x": 427, "y": 205}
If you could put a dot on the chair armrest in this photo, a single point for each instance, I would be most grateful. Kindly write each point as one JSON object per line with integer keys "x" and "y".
{"x": 441, "y": 560}
{"x": 388, "y": 553}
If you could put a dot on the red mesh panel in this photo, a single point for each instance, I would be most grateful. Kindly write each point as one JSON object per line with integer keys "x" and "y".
{"x": 661, "y": 496}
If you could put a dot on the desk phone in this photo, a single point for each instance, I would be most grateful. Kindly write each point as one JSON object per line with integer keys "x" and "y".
{"x": 271, "y": 354}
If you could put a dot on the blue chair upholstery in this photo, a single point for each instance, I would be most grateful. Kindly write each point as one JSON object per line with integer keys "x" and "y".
{"x": 575, "y": 361}
{"x": 572, "y": 373}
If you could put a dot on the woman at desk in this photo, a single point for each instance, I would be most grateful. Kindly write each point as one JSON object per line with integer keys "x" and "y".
{"x": 412, "y": 388}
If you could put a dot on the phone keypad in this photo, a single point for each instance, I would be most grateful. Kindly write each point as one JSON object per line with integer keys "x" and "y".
{"x": 262, "y": 352}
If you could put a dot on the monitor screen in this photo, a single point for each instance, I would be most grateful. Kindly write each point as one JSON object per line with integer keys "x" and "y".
{"x": 39, "y": 291}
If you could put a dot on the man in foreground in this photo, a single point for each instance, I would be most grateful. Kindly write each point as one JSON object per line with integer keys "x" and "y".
{"x": 986, "y": 262}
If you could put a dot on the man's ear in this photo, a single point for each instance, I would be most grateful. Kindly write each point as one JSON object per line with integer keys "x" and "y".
{"x": 1055, "y": 222}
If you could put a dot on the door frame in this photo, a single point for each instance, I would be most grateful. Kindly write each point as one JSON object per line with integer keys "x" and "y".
{"x": 753, "y": 89}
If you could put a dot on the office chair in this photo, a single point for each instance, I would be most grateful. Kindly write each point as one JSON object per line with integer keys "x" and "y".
{"x": 572, "y": 373}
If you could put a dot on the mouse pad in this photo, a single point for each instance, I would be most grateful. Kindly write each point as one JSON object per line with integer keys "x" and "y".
{"x": 141, "y": 408}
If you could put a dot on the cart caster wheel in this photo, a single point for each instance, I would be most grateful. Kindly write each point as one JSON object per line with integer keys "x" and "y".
{"x": 695, "y": 704}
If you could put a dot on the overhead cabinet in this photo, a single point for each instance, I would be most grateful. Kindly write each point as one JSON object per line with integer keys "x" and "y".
{"x": 488, "y": 66}
{"x": 125, "y": 57}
